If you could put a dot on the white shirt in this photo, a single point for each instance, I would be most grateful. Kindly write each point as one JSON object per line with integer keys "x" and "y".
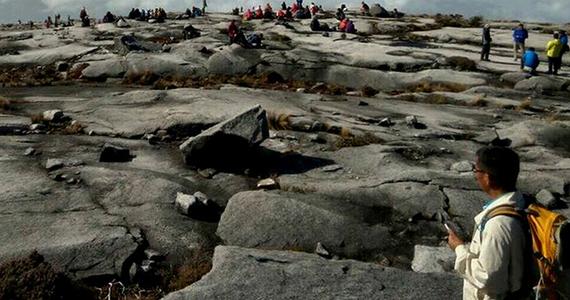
{"x": 492, "y": 264}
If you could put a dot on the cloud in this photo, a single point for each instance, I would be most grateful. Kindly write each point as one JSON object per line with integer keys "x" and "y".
{"x": 528, "y": 10}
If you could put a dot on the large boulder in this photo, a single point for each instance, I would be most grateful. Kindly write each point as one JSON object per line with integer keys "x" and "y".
{"x": 514, "y": 77}
{"x": 100, "y": 70}
{"x": 233, "y": 60}
{"x": 125, "y": 44}
{"x": 543, "y": 84}
{"x": 278, "y": 220}
{"x": 240, "y": 273}
{"x": 228, "y": 143}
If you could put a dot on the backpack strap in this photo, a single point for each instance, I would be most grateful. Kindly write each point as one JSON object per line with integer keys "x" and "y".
{"x": 503, "y": 210}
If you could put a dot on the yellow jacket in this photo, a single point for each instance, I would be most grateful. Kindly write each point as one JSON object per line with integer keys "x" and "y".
{"x": 553, "y": 48}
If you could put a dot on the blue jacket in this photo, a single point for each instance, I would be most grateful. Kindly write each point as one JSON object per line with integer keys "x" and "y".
{"x": 564, "y": 39}
{"x": 520, "y": 35}
{"x": 530, "y": 59}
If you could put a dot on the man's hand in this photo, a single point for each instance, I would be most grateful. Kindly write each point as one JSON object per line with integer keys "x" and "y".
{"x": 453, "y": 240}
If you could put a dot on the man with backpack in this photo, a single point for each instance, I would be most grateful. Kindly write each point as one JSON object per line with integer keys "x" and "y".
{"x": 518, "y": 248}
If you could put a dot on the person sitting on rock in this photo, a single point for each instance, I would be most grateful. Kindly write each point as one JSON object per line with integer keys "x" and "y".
{"x": 365, "y": 9}
{"x": 288, "y": 14}
{"x": 83, "y": 13}
{"x": 350, "y": 27}
{"x": 190, "y": 32}
{"x": 109, "y": 18}
{"x": 486, "y": 40}
{"x": 281, "y": 15}
{"x": 259, "y": 13}
{"x": 248, "y": 15}
{"x": 232, "y": 31}
{"x": 294, "y": 8}
{"x": 553, "y": 50}
{"x": 530, "y": 61}
{"x": 235, "y": 11}
{"x": 85, "y": 21}
{"x": 48, "y": 22}
{"x": 343, "y": 25}
{"x": 317, "y": 26}
{"x": 314, "y": 9}
{"x": 283, "y": 6}
{"x": 196, "y": 11}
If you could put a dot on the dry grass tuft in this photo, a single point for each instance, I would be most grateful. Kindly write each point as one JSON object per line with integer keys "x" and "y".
{"x": 196, "y": 266}
{"x": 525, "y": 104}
{"x": 358, "y": 140}
{"x": 4, "y": 104}
{"x": 430, "y": 87}
{"x": 369, "y": 91}
{"x": 73, "y": 128}
{"x": 37, "y": 119}
{"x": 278, "y": 121}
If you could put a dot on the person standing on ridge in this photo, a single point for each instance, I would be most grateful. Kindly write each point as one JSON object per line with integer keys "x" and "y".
{"x": 564, "y": 42}
{"x": 553, "y": 52}
{"x": 204, "y": 5}
{"x": 520, "y": 34}
{"x": 486, "y": 42}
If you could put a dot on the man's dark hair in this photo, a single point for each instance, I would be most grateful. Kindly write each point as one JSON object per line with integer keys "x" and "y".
{"x": 531, "y": 49}
{"x": 502, "y": 164}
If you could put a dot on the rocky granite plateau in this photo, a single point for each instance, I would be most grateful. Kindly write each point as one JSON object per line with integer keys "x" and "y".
{"x": 324, "y": 164}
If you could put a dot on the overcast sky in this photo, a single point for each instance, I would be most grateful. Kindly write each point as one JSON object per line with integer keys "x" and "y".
{"x": 555, "y": 11}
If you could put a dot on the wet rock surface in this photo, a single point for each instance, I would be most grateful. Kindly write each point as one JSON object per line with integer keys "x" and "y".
{"x": 359, "y": 146}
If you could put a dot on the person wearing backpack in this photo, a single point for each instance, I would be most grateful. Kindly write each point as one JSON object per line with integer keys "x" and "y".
{"x": 492, "y": 265}
{"x": 519, "y": 248}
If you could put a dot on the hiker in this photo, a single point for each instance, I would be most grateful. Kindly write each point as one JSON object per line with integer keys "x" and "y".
{"x": 343, "y": 25}
{"x": 530, "y": 61}
{"x": 492, "y": 265}
{"x": 85, "y": 22}
{"x": 553, "y": 51}
{"x": 268, "y": 12}
{"x": 350, "y": 27}
{"x": 283, "y": 6}
{"x": 204, "y": 5}
{"x": 281, "y": 15}
{"x": 340, "y": 14}
{"x": 300, "y": 3}
{"x": 486, "y": 39}
{"x": 57, "y": 20}
{"x": 232, "y": 31}
{"x": 314, "y": 9}
{"x": 364, "y": 9}
{"x": 317, "y": 26}
{"x": 259, "y": 13}
{"x": 48, "y": 22}
{"x": 520, "y": 34}
{"x": 190, "y": 32}
{"x": 248, "y": 15}
{"x": 108, "y": 18}
{"x": 564, "y": 42}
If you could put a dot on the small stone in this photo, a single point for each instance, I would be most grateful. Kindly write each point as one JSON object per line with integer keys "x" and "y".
{"x": 354, "y": 93}
{"x": 386, "y": 122}
{"x": 322, "y": 251}
{"x": 207, "y": 173}
{"x": 54, "y": 115}
{"x": 362, "y": 103}
{"x": 37, "y": 127}
{"x": 300, "y": 90}
{"x": 202, "y": 198}
{"x": 45, "y": 191}
{"x": 546, "y": 198}
{"x": 462, "y": 166}
{"x": 268, "y": 184}
{"x": 411, "y": 121}
{"x": 162, "y": 133}
{"x": 332, "y": 168}
{"x": 497, "y": 116}
{"x": 30, "y": 151}
{"x": 113, "y": 153}
{"x": 185, "y": 202}
{"x": 74, "y": 163}
{"x": 54, "y": 164}
{"x": 133, "y": 270}
{"x": 71, "y": 181}
{"x": 59, "y": 177}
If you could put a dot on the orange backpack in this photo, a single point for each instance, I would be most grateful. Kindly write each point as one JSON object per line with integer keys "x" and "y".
{"x": 550, "y": 234}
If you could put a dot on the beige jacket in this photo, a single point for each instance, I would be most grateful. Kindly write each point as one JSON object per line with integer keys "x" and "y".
{"x": 492, "y": 264}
